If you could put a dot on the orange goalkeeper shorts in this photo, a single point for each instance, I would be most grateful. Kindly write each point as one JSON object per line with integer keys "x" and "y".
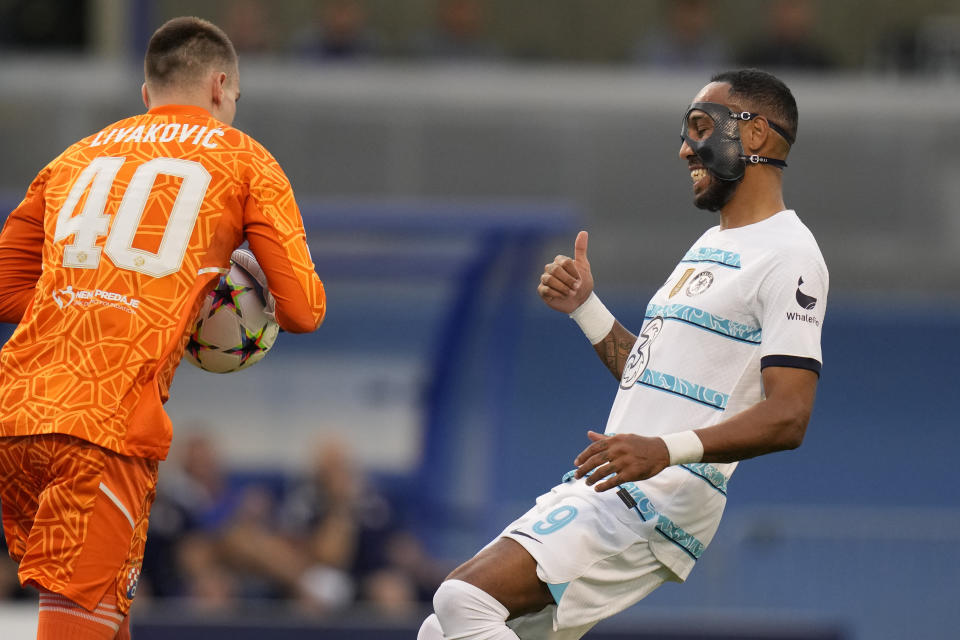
{"x": 75, "y": 516}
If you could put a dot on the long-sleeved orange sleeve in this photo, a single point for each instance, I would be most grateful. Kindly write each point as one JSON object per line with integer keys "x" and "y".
{"x": 21, "y": 249}
{"x": 274, "y": 228}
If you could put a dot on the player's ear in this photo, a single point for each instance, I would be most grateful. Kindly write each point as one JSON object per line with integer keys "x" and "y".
{"x": 145, "y": 95}
{"x": 217, "y": 82}
{"x": 755, "y": 134}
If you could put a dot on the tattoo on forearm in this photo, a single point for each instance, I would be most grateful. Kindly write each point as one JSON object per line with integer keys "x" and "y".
{"x": 614, "y": 349}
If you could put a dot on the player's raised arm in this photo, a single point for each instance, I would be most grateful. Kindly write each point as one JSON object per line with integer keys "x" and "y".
{"x": 21, "y": 245}
{"x": 567, "y": 282}
{"x": 614, "y": 348}
{"x": 274, "y": 229}
{"x": 567, "y": 285}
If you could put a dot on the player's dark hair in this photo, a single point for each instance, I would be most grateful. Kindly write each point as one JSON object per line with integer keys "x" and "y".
{"x": 185, "y": 47}
{"x": 765, "y": 94}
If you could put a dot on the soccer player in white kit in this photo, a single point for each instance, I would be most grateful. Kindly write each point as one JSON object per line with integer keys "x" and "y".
{"x": 725, "y": 368}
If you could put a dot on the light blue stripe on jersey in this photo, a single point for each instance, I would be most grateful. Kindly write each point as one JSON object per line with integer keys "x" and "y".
{"x": 716, "y": 256}
{"x": 556, "y": 590}
{"x": 700, "y": 318}
{"x": 708, "y": 473}
{"x": 665, "y": 526}
{"x": 684, "y": 388}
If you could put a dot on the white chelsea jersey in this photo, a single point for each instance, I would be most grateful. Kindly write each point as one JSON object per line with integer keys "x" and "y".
{"x": 740, "y": 300}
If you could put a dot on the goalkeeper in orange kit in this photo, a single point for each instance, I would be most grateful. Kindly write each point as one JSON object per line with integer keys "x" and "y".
{"x": 103, "y": 266}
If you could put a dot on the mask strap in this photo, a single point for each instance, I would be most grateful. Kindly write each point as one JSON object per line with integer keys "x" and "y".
{"x": 755, "y": 159}
{"x": 746, "y": 115}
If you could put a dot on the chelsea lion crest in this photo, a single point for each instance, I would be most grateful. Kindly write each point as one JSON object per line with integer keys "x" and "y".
{"x": 699, "y": 283}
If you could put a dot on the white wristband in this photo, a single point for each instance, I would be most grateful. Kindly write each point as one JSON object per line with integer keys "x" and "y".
{"x": 594, "y": 318}
{"x": 683, "y": 447}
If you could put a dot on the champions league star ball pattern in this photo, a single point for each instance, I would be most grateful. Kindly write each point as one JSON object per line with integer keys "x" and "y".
{"x": 232, "y": 332}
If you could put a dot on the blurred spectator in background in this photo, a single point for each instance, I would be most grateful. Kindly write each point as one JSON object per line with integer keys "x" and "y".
{"x": 931, "y": 46}
{"x": 339, "y": 32}
{"x": 459, "y": 32}
{"x": 179, "y": 560}
{"x": 789, "y": 41}
{"x": 213, "y": 539}
{"x": 897, "y": 50}
{"x": 50, "y": 25}
{"x": 352, "y": 538}
{"x": 335, "y": 540}
{"x": 688, "y": 38}
{"x": 249, "y": 27}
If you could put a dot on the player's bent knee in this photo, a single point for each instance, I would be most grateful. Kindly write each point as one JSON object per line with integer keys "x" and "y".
{"x": 463, "y": 609}
{"x": 430, "y": 629}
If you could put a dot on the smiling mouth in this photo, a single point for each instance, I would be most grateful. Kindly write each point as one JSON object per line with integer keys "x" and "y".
{"x": 697, "y": 174}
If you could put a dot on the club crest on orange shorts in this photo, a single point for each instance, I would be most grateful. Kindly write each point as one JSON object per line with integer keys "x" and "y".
{"x": 75, "y": 516}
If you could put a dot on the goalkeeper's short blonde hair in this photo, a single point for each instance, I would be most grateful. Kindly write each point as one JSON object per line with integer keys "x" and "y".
{"x": 184, "y": 49}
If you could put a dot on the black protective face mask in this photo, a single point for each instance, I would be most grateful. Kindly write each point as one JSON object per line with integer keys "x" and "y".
{"x": 720, "y": 150}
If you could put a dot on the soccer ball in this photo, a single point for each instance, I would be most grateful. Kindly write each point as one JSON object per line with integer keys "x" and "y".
{"x": 231, "y": 332}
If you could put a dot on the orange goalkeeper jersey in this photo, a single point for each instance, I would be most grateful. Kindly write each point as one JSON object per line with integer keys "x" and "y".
{"x": 106, "y": 261}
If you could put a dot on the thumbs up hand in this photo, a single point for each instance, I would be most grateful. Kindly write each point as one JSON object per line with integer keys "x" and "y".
{"x": 567, "y": 282}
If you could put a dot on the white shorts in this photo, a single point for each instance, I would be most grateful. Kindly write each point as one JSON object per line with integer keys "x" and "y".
{"x": 592, "y": 551}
